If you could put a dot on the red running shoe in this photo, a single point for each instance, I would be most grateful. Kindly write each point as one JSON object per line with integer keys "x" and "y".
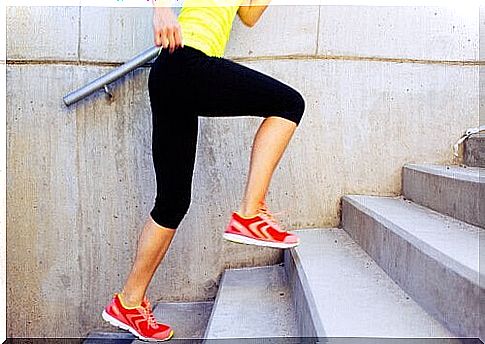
{"x": 261, "y": 229}
{"x": 138, "y": 320}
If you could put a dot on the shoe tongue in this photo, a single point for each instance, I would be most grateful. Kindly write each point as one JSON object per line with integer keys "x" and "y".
{"x": 269, "y": 219}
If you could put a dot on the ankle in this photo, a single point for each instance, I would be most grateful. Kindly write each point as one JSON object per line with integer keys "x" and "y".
{"x": 128, "y": 301}
{"x": 247, "y": 213}
{"x": 250, "y": 209}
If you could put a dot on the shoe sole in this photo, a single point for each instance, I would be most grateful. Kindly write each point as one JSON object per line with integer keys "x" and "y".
{"x": 117, "y": 323}
{"x": 240, "y": 239}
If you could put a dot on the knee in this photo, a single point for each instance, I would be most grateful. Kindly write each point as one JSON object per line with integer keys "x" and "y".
{"x": 296, "y": 106}
{"x": 170, "y": 214}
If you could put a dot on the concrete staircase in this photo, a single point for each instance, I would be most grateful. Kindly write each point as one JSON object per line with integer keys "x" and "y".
{"x": 401, "y": 267}
{"x": 433, "y": 257}
{"x": 336, "y": 290}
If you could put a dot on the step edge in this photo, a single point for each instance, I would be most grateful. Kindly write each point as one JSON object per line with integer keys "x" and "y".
{"x": 476, "y": 175}
{"x": 473, "y": 276}
{"x": 214, "y": 307}
{"x": 156, "y": 303}
{"x": 250, "y": 268}
{"x": 294, "y": 258}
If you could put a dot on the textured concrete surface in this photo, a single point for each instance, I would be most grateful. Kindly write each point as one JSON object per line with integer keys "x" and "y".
{"x": 414, "y": 32}
{"x": 474, "y": 152}
{"x": 188, "y": 319}
{"x": 433, "y": 257}
{"x": 449, "y": 189}
{"x": 353, "y": 296}
{"x": 43, "y": 33}
{"x": 283, "y": 30}
{"x": 253, "y": 303}
{"x": 114, "y": 34}
{"x": 120, "y": 337}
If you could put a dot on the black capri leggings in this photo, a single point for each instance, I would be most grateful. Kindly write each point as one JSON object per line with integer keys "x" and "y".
{"x": 189, "y": 83}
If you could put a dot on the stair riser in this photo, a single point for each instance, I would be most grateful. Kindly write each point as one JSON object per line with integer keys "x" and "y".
{"x": 252, "y": 303}
{"x": 309, "y": 324}
{"x": 457, "y": 198}
{"x": 474, "y": 152}
{"x": 447, "y": 296}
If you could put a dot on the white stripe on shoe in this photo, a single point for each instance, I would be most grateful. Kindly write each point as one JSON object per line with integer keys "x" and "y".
{"x": 250, "y": 241}
{"x": 115, "y": 322}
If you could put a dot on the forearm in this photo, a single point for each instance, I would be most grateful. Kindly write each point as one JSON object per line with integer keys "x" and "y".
{"x": 256, "y": 3}
{"x": 251, "y": 10}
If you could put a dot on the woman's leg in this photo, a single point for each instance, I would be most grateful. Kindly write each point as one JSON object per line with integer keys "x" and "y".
{"x": 152, "y": 246}
{"x": 226, "y": 88}
{"x": 270, "y": 142}
{"x": 174, "y": 141}
{"x": 231, "y": 89}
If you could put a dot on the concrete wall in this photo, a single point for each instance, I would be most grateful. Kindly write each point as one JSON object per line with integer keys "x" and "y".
{"x": 481, "y": 263}
{"x": 383, "y": 86}
{"x": 482, "y": 66}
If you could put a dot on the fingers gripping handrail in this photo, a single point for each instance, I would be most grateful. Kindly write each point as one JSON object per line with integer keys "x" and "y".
{"x": 102, "y": 82}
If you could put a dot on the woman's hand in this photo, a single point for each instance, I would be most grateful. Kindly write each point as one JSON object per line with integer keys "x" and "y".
{"x": 166, "y": 29}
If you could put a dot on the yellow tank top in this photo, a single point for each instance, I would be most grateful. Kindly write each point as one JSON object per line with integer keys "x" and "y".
{"x": 206, "y": 24}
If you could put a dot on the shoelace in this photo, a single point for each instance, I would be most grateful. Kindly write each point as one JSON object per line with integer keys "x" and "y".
{"x": 149, "y": 314}
{"x": 270, "y": 216}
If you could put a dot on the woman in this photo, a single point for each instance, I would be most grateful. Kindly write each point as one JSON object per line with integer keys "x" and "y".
{"x": 189, "y": 78}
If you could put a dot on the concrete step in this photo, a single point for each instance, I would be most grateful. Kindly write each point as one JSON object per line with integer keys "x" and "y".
{"x": 346, "y": 294}
{"x": 188, "y": 320}
{"x": 252, "y": 303}
{"x": 100, "y": 337}
{"x": 433, "y": 257}
{"x": 449, "y": 189}
{"x": 474, "y": 152}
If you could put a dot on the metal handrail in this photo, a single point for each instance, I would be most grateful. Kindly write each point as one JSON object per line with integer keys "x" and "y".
{"x": 103, "y": 81}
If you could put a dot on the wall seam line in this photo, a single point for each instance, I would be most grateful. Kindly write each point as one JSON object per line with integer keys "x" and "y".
{"x": 318, "y": 30}
{"x": 79, "y": 37}
{"x": 296, "y": 57}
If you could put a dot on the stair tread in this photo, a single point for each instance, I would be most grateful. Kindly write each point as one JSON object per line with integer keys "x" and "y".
{"x": 353, "y": 296}
{"x": 470, "y": 174}
{"x": 253, "y": 303}
{"x": 451, "y": 241}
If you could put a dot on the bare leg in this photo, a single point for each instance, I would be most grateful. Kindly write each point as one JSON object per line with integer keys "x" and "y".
{"x": 152, "y": 246}
{"x": 270, "y": 142}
